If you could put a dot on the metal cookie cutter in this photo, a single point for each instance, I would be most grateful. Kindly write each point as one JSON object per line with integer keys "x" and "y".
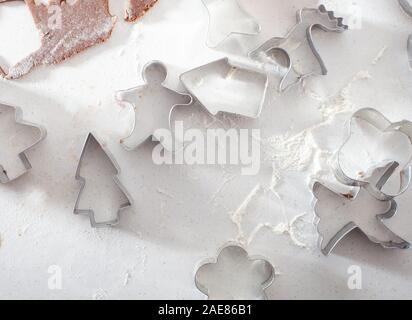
{"x": 92, "y": 144}
{"x": 234, "y": 275}
{"x": 407, "y": 7}
{"x": 227, "y": 17}
{"x": 154, "y": 104}
{"x": 228, "y": 86}
{"x": 7, "y": 112}
{"x": 338, "y": 214}
{"x": 296, "y": 52}
{"x": 380, "y": 122}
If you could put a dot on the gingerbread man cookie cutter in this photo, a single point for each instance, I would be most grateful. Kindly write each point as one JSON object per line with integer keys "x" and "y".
{"x": 153, "y": 104}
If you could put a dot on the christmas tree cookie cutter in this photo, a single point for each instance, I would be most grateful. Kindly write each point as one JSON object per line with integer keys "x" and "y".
{"x": 249, "y": 278}
{"x": 153, "y": 104}
{"x": 347, "y": 212}
{"x": 5, "y": 176}
{"x": 380, "y": 122}
{"x": 228, "y": 86}
{"x": 91, "y": 139}
{"x": 226, "y": 18}
{"x": 297, "y": 52}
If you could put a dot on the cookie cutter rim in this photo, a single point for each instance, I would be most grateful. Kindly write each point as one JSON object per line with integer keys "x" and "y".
{"x": 90, "y": 213}
{"x": 133, "y": 106}
{"x": 258, "y": 25}
{"x": 342, "y": 233}
{"x": 407, "y": 8}
{"x": 383, "y": 124}
{"x": 238, "y": 65}
{"x": 250, "y": 258}
{"x": 341, "y": 27}
{"x": 18, "y": 116}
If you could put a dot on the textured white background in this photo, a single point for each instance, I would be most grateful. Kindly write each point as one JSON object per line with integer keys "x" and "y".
{"x": 182, "y": 215}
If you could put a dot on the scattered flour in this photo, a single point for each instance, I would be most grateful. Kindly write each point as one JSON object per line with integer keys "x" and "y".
{"x": 290, "y": 152}
{"x": 379, "y": 55}
{"x": 301, "y": 230}
{"x": 100, "y": 294}
{"x": 127, "y": 277}
{"x": 298, "y": 152}
{"x": 342, "y": 102}
{"x": 238, "y": 215}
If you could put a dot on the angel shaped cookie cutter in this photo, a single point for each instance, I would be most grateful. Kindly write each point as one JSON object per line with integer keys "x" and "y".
{"x": 153, "y": 104}
{"x": 380, "y": 122}
{"x": 226, "y": 18}
{"x": 229, "y": 284}
{"x": 350, "y": 212}
{"x": 91, "y": 140}
{"x": 297, "y": 52}
{"x": 5, "y": 175}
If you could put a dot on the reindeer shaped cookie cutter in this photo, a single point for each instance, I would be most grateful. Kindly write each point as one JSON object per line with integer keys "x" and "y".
{"x": 233, "y": 77}
{"x": 298, "y": 46}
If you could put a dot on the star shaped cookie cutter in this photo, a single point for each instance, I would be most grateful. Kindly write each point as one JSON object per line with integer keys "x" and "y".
{"x": 91, "y": 139}
{"x": 297, "y": 52}
{"x": 347, "y": 212}
{"x": 235, "y": 256}
{"x": 226, "y": 18}
{"x": 153, "y": 96}
{"x": 380, "y": 122}
{"x": 41, "y": 135}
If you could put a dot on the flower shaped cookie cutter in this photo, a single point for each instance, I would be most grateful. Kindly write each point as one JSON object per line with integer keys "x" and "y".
{"x": 233, "y": 274}
{"x": 380, "y": 122}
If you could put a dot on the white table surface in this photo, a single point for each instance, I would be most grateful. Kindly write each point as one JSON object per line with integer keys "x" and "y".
{"x": 184, "y": 214}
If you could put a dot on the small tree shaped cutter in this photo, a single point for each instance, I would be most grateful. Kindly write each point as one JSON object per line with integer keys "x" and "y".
{"x": 91, "y": 138}
{"x": 42, "y": 133}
